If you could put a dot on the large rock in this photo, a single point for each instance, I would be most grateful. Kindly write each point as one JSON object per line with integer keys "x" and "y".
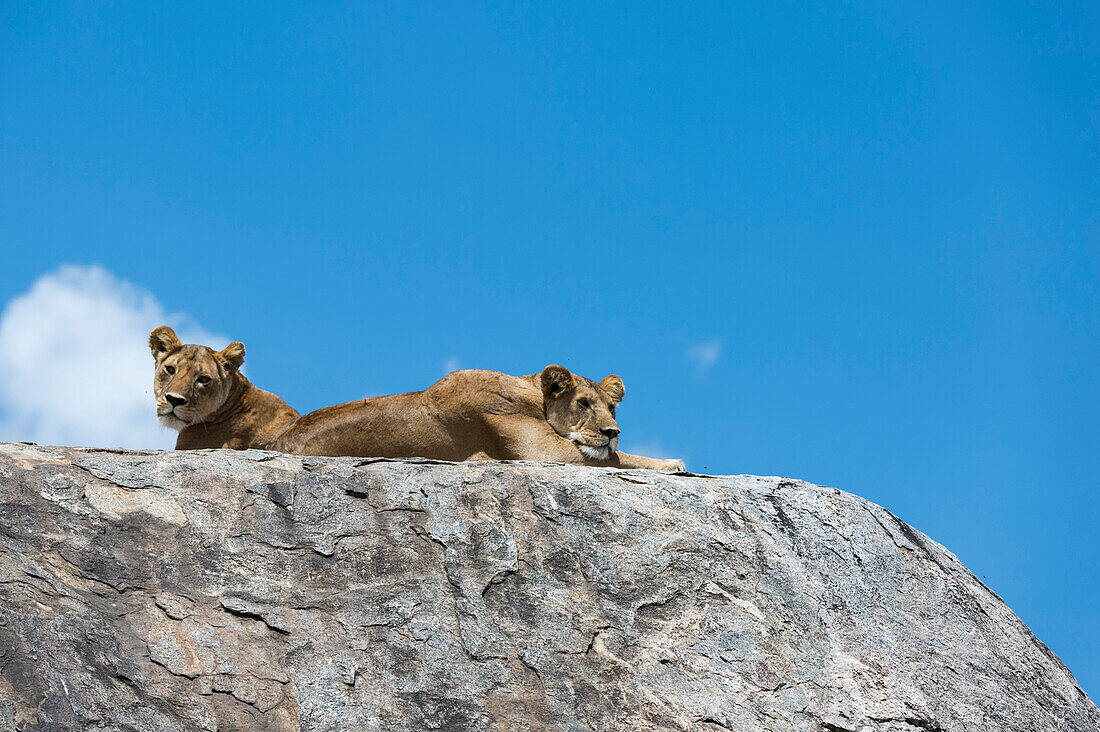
{"x": 253, "y": 590}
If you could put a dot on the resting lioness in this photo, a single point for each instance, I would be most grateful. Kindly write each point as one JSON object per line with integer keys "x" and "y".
{"x": 202, "y": 394}
{"x": 479, "y": 415}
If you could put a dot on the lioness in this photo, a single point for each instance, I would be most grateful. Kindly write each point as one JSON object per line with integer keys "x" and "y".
{"x": 202, "y": 394}
{"x": 479, "y": 415}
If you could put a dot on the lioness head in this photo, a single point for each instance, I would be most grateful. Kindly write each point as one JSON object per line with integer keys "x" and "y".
{"x": 582, "y": 410}
{"x": 191, "y": 382}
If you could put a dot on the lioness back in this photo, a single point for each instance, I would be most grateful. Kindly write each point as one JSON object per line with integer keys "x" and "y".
{"x": 444, "y": 422}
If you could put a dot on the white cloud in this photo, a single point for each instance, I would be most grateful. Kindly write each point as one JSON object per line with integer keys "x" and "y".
{"x": 75, "y": 367}
{"x": 705, "y": 355}
{"x": 451, "y": 364}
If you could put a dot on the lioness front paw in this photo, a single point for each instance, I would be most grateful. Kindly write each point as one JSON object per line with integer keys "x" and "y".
{"x": 672, "y": 466}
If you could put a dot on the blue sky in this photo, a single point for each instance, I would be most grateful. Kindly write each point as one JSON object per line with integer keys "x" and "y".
{"x": 851, "y": 243}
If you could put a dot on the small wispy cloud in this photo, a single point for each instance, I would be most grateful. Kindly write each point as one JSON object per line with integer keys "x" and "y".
{"x": 653, "y": 449}
{"x": 451, "y": 364}
{"x": 75, "y": 367}
{"x": 648, "y": 448}
{"x": 705, "y": 355}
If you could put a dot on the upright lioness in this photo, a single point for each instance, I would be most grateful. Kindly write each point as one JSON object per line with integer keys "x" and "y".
{"x": 479, "y": 415}
{"x": 201, "y": 393}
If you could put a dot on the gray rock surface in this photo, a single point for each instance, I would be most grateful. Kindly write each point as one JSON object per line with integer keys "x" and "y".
{"x": 252, "y": 590}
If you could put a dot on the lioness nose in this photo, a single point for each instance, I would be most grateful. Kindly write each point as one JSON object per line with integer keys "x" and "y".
{"x": 611, "y": 432}
{"x": 174, "y": 400}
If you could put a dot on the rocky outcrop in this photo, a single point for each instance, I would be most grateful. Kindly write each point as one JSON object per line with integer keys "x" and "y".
{"x": 253, "y": 590}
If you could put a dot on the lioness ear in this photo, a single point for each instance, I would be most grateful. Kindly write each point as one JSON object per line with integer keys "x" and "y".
{"x": 234, "y": 354}
{"x": 613, "y": 385}
{"x": 556, "y": 380}
{"x": 163, "y": 341}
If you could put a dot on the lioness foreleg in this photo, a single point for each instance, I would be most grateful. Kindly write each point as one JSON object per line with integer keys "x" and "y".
{"x": 626, "y": 460}
{"x": 564, "y": 451}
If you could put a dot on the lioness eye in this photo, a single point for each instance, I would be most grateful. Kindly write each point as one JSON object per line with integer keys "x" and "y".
{"x": 203, "y": 379}
{"x": 584, "y": 403}
{"x": 170, "y": 369}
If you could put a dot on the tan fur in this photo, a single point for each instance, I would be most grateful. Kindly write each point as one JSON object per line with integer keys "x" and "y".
{"x": 201, "y": 393}
{"x": 478, "y": 415}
